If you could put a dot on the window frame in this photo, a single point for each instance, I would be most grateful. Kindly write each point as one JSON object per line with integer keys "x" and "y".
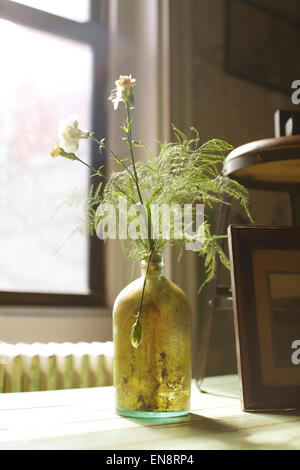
{"x": 89, "y": 33}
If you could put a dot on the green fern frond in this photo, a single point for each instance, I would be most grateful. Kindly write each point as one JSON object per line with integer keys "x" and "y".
{"x": 184, "y": 172}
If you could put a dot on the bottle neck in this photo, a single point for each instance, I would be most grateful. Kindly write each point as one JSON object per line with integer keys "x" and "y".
{"x": 156, "y": 265}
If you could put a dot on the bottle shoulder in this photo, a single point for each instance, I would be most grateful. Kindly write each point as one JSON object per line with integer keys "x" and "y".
{"x": 159, "y": 290}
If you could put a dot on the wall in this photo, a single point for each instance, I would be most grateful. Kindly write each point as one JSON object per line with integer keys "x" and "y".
{"x": 226, "y": 106}
{"x": 238, "y": 111}
{"x": 43, "y": 325}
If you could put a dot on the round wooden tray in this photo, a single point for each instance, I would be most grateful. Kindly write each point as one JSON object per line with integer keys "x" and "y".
{"x": 266, "y": 162}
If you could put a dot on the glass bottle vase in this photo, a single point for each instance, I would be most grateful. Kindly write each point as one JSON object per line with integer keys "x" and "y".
{"x": 154, "y": 379}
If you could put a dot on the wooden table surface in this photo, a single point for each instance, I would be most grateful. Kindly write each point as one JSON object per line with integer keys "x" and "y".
{"x": 85, "y": 419}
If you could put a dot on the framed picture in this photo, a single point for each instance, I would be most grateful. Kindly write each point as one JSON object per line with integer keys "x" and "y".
{"x": 265, "y": 270}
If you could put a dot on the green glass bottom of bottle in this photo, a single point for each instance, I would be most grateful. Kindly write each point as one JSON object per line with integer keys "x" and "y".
{"x": 151, "y": 414}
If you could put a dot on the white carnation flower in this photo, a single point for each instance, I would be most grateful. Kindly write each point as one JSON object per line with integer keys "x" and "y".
{"x": 70, "y": 134}
{"x": 122, "y": 92}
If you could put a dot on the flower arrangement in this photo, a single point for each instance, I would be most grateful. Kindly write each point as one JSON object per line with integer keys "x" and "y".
{"x": 184, "y": 172}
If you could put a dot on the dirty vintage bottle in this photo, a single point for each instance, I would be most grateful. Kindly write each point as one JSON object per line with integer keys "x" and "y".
{"x": 154, "y": 379}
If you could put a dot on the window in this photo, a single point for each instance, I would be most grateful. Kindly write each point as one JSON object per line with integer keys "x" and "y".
{"x": 53, "y": 65}
{"x": 78, "y": 10}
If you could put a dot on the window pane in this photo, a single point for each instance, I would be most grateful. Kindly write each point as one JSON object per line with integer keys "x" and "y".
{"x": 78, "y": 10}
{"x": 44, "y": 79}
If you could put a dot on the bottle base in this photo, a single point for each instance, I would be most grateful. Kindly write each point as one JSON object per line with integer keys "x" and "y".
{"x": 151, "y": 414}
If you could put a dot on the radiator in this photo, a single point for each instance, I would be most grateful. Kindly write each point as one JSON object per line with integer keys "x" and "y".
{"x": 54, "y": 366}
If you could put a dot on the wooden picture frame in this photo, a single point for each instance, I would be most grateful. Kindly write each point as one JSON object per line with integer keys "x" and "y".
{"x": 265, "y": 272}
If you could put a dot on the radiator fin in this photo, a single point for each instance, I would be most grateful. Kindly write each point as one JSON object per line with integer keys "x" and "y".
{"x": 54, "y": 366}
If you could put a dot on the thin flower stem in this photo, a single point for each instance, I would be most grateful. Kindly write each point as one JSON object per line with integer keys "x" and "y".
{"x": 143, "y": 290}
{"x": 119, "y": 161}
{"x": 86, "y": 164}
{"x": 102, "y": 144}
{"x": 105, "y": 177}
{"x": 94, "y": 139}
{"x": 134, "y": 177}
{"x": 129, "y": 141}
